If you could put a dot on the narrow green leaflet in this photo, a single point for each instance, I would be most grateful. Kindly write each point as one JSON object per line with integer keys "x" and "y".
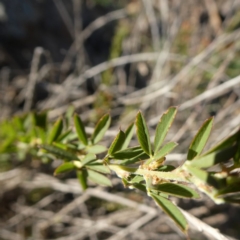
{"x": 204, "y": 176}
{"x": 55, "y": 131}
{"x": 138, "y": 158}
{"x": 40, "y": 119}
{"x": 172, "y": 210}
{"x": 177, "y": 190}
{"x": 165, "y": 150}
{"x": 200, "y": 139}
{"x": 69, "y": 114}
{"x": 99, "y": 168}
{"x": 137, "y": 179}
{"x": 82, "y": 176}
{"x": 65, "y": 167}
{"x": 82, "y": 136}
{"x": 64, "y": 135}
{"x": 117, "y": 143}
{"x": 96, "y": 149}
{"x": 229, "y": 141}
{"x": 59, "y": 152}
{"x": 163, "y": 127}
{"x": 100, "y": 129}
{"x": 143, "y": 134}
{"x": 214, "y": 158}
{"x": 236, "y": 156}
{"x": 166, "y": 168}
{"x": 233, "y": 188}
{"x": 128, "y": 136}
{"x": 128, "y": 153}
{"x": 99, "y": 178}
{"x": 90, "y": 157}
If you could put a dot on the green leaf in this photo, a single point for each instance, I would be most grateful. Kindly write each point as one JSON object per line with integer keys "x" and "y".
{"x": 65, "y": 167}
{"x": 204, "y": 176}
{"x": 64, "y": 135}
{"x": 82, "y": 177}
{"x": 214, "y": 158}
{"x": 99, "y": 178}
{"x": 177, "y": 190}
{"x": 138, "y": 158}
{"x": 172, "y": 211}
{"x": 128, "y": 153}
{"x": 163, "y": 127}
{"x": 166, "y": 168}
{"x": 68, "y": 115}
{"x": 233, "y": 188}
{"x": 96, "y": 149}
{"x": 82, "y": 136}
{"x": 90, "y": 157}
{"x": 233, "y": 198}
{"x": 101, "y": 128}
{"x": 99, "y": 168}
{"x": 128, "y": 135}
{"x": 63, "y": 154}
{"x": 228, "y": 142}
{"x": 165, "y": 150}
{"x": 40, "y": 120}
{"x": 200, "y": 139}
{"x": 55, "y": 131}
{"x": 117, "y": 143}
{"x": 137, "y": 179}
{"x": 143, "y": 134}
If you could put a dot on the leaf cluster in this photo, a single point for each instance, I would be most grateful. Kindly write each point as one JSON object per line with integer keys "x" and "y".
{"x": 141, "y": 167}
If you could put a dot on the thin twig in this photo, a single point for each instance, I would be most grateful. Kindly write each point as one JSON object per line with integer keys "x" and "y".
{"x": 153, "y": 24}
{"x": 29, "y": 94}
{"x": 65, "y": 16}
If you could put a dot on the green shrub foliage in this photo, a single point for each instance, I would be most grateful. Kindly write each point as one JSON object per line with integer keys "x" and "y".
{"x": 141, "y": 167}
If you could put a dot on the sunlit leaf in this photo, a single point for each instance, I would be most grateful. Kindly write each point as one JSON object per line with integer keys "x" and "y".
{"x": 204, "y": 176}
{"x": 137, "y": 179}
{"x": 55, "y": 131}
{"x": 90, "y": 157}
{"x": 163, "y": 127}
{"x": 200, "y": 139}
{"x": 100, "y": 129}
{"x": 82, "y": 136}
{"x": 63, "y": 154}
{"x": 82, "y": 176}
{"x": 68, "y": 115}
{"x": 166, "y": 168}
{"x": 177, "y": 190}
{"x": 143, "y": 134}
{"x": 214, "y": 158}
{"x": 165, "y": 150}
{"x": 64, "y": 136}
{"x": 228, "y": 142}
{"x": 96, "y": 149}
{"x": 138, "y": 158}
{"x": 40, "y": 120}
{"x": 128, "y": 135}
{"x": 128, "y": 153}
{"x": 65, "y": 167}
{"x": 99, "y": 168}
{"x": 117, "y": 143}
{"x": 99, "y": 178}
{"x": 172, "y": 211}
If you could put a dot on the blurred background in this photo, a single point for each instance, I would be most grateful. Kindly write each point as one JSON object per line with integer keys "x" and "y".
{"x": 115, "y": 56}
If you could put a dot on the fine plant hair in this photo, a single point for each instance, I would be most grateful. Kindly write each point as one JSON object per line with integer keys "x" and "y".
{"x": 142, "y": 167}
